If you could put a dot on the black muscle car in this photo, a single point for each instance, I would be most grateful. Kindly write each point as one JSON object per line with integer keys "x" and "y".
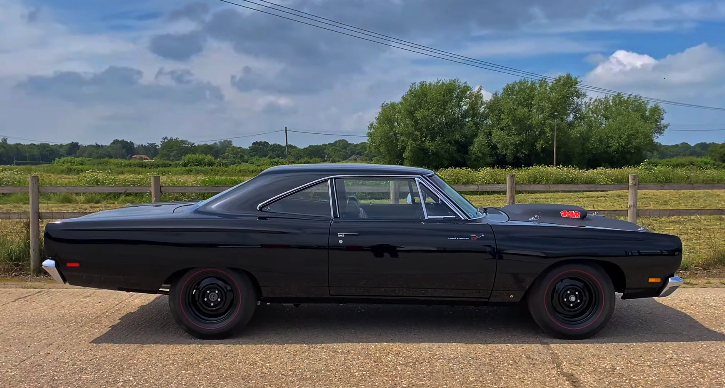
{"x": 360, "y": 233}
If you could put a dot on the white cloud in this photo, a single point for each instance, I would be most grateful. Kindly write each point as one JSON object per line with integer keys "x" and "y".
{"x": 695, "y": 75}
{"x": 485, "y": 93}
{"x": 623, "y": 61}
{"x": 696, "y": 71}
{"x": 43, "y": 46}
{"x": 349, "y": 78}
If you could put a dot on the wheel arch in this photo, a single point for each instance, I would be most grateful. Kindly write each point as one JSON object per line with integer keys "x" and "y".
{"x": 614, "y": 271}
{"x": 179, "y": 273}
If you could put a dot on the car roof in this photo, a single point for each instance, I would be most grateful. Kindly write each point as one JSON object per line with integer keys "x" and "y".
{"x": 346, "y": 168}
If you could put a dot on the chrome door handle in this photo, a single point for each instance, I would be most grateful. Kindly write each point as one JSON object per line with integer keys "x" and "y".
{"x": 346, "y": 234}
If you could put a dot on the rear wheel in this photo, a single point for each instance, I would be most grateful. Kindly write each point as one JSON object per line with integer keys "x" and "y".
{"x": 572, "y": 301}
{"x": 210, "y": 303}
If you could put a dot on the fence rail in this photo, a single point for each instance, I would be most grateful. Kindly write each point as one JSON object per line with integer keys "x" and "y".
{"x": 511, "y": 188}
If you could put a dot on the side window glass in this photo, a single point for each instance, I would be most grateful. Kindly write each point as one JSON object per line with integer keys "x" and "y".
{"x": 434, "y": 206}
{"x": 379, "y": 198}
{"x": 313, "y": 201}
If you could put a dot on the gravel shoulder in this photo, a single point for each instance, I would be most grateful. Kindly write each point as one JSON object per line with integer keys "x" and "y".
{"x": 59, "y": 337}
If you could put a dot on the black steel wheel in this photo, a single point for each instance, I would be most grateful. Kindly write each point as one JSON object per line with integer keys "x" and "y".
{"x": 572, "y": 301}
{"x": 211, "y": 303}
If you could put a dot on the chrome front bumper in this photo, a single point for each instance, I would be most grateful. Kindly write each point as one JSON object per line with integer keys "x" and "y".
{"x": 672, "y": 284}
{"x": 49, "y": 267}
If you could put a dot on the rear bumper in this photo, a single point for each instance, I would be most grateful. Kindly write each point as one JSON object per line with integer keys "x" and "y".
{"x": 672, "y": 284}
{"x": 49, "y": 267}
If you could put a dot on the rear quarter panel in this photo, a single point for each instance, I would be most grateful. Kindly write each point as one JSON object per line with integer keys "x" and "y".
{"x": 284, "y": 256}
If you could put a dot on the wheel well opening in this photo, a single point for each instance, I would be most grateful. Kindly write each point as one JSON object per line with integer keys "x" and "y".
{"x": 614, "y": 271}
{"x": 254, "y": 280}
{"x": 176, "y": 275}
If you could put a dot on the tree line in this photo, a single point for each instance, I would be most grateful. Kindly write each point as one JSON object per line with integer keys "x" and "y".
{"x": 175, "y": 149}
{"x": 446, "y": 123}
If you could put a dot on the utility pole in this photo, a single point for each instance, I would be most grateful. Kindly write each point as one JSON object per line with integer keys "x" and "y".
{"x": 554, "y": 142}
{"x": 286, "y": 153}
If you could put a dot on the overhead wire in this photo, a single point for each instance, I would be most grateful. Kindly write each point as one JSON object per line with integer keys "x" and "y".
{"x": 448, "y": 56}
{"x": 33, "y": 140}
{"x": 328, "y": 134}
{"x": 240, "y": 136}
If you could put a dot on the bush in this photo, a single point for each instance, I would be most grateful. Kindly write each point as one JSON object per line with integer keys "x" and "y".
{"x": 685, "y": 162}
{"x": 73, "y": 161}
{"x": 198, "y": 160}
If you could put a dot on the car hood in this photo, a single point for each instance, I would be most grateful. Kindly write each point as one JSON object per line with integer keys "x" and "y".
{"x": 136, "y": 211}
{"x": 564, "y": 215}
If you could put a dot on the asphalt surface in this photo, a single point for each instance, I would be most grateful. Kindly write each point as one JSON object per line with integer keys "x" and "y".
{"x": 94, "y": 338}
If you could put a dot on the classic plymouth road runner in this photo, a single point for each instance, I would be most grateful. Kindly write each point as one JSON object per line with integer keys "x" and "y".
{"x": 361, "y": 233}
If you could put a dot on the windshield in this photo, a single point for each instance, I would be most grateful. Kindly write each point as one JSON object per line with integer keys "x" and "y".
{"x": 462, "y": 203}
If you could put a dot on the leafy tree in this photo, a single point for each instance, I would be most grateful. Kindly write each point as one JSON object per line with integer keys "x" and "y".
{"x": 616, "y": 131}
{"x": 236, "y": 155}
{"x": 717, "y": 152}
{"x": 123, "y": 148}
{"x": 433, "y": 125}
{"x": 174, "y": 149}
{"x": 72, "y": 148}
{"x": 664, "y": 151}
{"x": 151, "y": 150}
{"x": 520, "y": 122}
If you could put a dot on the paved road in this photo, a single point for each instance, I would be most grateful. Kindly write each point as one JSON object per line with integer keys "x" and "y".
{"x": 80, "y": 337}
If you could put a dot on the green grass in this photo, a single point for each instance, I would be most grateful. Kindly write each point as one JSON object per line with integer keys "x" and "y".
{"x": 613, "y": 200}
{"x": 702, "y": 236}
{"x": 55, "y": 175}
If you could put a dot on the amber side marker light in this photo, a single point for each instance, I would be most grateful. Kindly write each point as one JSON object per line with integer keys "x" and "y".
{"x": 79, "y": 264}
{"x": 655, "y": 280}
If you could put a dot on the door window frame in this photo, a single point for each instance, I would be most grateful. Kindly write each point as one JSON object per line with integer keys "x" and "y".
{"x": 335, "y": 207}
{"x": 296, "y": 190}
{"x": 418, "y": 182}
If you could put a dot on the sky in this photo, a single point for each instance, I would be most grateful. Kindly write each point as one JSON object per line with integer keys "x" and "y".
{"x": 93, "y": 71}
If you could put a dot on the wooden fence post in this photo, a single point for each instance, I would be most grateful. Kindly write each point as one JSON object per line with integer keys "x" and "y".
{"x": 510, "y": 189}
{"x": 632, "y": 203}
{"x": 34, "y": 215}
{"x": 155, "y": 189}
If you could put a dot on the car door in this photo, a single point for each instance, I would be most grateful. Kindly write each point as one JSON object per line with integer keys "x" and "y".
{"x": 383, "y": 243}
{"x": 287, "y": 248}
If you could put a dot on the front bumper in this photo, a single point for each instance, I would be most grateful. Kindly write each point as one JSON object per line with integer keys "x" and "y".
{"x": 49, "y": 267}
{"x": 672, "y": 284}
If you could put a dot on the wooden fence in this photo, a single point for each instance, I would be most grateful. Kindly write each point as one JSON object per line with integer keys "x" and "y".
{"x": 511, "y": 188}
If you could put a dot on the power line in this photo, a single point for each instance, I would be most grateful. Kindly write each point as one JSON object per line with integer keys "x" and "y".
{"x": 241, "y": 136}
{"x": 447, "y": 56}
{"x": 697, "y": 130}
{"x": 33, "y": 140}
{"x": 329, "y": 134}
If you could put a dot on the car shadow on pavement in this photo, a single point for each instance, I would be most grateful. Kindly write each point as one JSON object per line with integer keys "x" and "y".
{"x": 634, "y": 321}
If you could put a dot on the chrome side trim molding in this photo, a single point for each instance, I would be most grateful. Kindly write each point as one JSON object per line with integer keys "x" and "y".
{"x": 49, "y": 267}
{"x": 672, "y": 285}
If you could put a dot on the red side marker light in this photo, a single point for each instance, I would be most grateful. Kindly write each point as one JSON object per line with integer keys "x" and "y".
{"x": 571, "y": 214}
{"x": 72, "y": 264}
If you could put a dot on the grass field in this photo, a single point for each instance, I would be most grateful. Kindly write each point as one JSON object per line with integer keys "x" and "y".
{"x": 702, "y": 236}
{"x": 127, "y": 175}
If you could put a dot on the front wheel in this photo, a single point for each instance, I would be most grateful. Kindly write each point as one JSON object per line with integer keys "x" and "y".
{"x": 210, "y": 303}
{"x": 572, "y": 301}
